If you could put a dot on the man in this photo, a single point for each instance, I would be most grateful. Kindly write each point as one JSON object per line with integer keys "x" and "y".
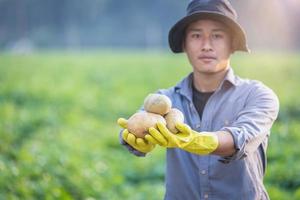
{"x": 220, "y": 150}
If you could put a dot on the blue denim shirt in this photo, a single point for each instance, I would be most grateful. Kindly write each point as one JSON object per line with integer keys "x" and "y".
{"x": 244, "y": 108}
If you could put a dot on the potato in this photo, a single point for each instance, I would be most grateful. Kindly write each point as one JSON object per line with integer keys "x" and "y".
{"x": 157, "y": 103}
{"x": 139, "y": 123}
{"x": 173, "y": 117}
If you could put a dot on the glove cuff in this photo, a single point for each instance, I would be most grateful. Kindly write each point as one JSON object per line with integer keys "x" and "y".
{"x": 203, "y": 144}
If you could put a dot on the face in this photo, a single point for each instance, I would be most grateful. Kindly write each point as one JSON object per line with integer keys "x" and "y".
{"x": 208, "y": 46}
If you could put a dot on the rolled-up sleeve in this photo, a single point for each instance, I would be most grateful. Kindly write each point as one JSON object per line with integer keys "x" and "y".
{"x": 252, "y": 125}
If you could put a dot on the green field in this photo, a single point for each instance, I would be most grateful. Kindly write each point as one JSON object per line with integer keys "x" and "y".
{"x": 58, "y": 132}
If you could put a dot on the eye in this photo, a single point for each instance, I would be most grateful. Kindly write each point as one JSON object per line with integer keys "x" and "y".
{"x": 195, "y": 35}
{"x": 217, "y": 36}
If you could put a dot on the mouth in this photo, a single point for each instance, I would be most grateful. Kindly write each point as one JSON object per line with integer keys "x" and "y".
{"x": 207, "y": 58}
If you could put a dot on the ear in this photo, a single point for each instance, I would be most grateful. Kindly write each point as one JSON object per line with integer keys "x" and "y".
{"x": 232, "y": 50}
{"x": 233, "y": 45}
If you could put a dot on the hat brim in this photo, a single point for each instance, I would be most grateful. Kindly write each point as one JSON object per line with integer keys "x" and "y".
{"x": 177, "y": 32}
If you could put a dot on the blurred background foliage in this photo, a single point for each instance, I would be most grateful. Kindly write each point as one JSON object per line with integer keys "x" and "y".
{"x": 59, "y": 138}
{"x": 69, "y": 24}
{"x": 69, "y": 69}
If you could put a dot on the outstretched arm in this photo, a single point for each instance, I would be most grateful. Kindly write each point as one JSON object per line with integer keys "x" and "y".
{"x": 226, "y": 144}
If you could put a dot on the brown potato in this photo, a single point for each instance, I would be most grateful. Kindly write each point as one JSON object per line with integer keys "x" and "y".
{"x": 157, "y": 103}
{"x": 173, "y": 117}
{"x": 139, "y": 123}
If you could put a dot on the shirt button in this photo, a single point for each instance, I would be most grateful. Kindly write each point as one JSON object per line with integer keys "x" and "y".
{"x": 203, "y": 172}
{"x": 226, "y": 122}
{"x": 198, "y": 126}
{"x": 205, "y": 196}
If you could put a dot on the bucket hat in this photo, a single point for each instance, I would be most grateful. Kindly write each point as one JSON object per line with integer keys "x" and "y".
{"x": 220, "y": 10}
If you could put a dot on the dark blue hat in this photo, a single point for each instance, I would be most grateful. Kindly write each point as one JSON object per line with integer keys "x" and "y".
{"x": 220, "y": 10}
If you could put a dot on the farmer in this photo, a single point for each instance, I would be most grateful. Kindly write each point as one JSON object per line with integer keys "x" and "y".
{"x": 220, "y": 150}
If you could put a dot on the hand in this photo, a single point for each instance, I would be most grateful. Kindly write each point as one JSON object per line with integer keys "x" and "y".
{"x": 139, "y": 144}
{"x": 199, "y": 143}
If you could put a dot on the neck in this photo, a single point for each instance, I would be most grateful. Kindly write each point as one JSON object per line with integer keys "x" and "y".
{"x": 208, "y": 82}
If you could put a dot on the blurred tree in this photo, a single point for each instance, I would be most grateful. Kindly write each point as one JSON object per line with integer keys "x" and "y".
{"x": 134, "y": 23}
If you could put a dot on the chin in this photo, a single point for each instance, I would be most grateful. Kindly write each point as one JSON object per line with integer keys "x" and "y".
{"x": 207, "y": 69}
{"x": 208, "y": 72}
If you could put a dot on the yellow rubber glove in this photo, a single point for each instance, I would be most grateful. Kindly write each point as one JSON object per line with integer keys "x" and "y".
{"x": 202, "y": 143}
{"x": 139, "y": 144}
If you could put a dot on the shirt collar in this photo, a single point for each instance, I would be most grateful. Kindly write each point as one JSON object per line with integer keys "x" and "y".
{"x": 184, "y": 87}
{"x": 230, "y": 77}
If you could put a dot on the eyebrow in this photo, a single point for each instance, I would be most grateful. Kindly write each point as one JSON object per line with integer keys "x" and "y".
{"x": 214, "y": 30}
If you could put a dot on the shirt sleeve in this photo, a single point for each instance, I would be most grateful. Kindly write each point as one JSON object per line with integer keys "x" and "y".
{"x": 252, "y": 125}
{"x": 130, "y": 148}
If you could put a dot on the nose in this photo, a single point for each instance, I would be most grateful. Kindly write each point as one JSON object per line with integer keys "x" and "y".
{"x": 207, "y": 45}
